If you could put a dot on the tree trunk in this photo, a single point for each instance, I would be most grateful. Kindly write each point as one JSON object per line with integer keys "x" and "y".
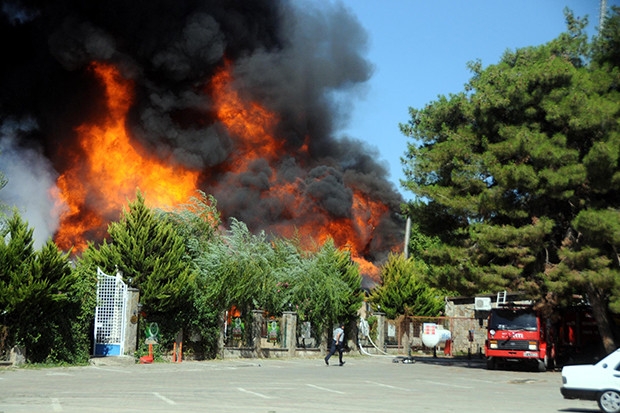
{"x": 598, "y": 301}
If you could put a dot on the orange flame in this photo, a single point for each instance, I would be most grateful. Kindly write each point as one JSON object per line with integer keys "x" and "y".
{"x": 112, "y": 168}
{"x": 254, "y": 126}
{"x": 249, "y": 121}
{"x": 108, "y": 168}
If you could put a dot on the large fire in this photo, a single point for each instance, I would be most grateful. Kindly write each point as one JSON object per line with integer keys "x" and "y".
{"x": 246, "y": 101}
{"x": 111, "y": 166}
{"x": 255, "y": 126}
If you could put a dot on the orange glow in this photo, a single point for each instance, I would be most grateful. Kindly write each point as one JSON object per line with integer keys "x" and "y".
{"x": 249, "y": 121}
{"x": 111, "y": 168}
{"x": 253, "y": 127}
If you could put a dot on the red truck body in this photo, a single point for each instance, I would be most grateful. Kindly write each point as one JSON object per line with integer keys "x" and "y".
{"x": 517, "y": 333}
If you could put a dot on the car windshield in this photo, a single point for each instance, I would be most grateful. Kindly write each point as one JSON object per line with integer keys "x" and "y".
{"x": 513, "y": 319}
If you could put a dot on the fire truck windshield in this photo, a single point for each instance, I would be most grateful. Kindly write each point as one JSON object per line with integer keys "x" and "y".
{"x": 510, "y": 319}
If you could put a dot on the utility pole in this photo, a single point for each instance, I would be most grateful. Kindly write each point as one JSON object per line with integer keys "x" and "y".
{"x": 407, "y": 235}
{"x": 602, "y": 15}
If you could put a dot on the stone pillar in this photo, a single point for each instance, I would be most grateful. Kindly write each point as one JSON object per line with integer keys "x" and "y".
{"x": 257, "y": 328}
{"x": 132, "y": 315}
{"x": 221, "y": 340}
{"x": 351, "y": 335}
{"x": 289, "y": 332}
{"x": 405, "y": 334}
{"x": 17, "y": 356}
{"x": 380, "y": 330}
{"x": 326, "y": 337}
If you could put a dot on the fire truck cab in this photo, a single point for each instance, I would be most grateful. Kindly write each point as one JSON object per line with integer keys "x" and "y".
{"x": 517, "y": 333}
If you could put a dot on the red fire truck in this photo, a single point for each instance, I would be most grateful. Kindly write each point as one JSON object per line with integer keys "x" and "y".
{"x": 516, "y": 333}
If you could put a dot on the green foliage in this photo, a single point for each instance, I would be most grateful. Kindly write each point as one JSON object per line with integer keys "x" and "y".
{"x": 324, "y": 288}
{"x": 589, "y": 256}
{"x": 506, "y": 165}
{"x": 151, "y": 255}
{"x": 419, "y": 241}
{"x": 188, "y": 273}
{"x": 606, "y": 48}
{"x": 236, "y": 268}
{"x": 404, "y": 290}
{"x": 520, "y": 173}
{"x": 42, "y": 300}
{"x": 197, "y": 223}
{"x": 251, "y": 272}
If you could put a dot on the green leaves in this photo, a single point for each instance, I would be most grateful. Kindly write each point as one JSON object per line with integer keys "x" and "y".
{"x": 404, "y": 290}
{"x": 38, "y": 296}
{"x": 150, "y": 253}
{"x": 519, "y": 174}
{"x": 249, "y": 271}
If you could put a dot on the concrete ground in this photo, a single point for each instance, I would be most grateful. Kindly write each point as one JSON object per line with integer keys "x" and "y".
{"x": 363, "y": 384}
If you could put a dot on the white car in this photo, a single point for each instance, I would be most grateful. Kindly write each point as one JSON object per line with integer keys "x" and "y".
{"x": 600, "y": 382}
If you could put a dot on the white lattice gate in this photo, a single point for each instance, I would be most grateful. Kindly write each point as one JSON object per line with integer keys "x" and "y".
{"x": 110, "y": 315}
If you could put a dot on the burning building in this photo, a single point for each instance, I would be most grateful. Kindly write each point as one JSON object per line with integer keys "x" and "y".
{"x": 240, "y": 99}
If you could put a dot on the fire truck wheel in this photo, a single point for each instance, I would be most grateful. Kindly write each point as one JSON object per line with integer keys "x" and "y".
{"x": 609, "y": 401}
{"x": 542, "y": 366}
{"x": 491, "y": 363}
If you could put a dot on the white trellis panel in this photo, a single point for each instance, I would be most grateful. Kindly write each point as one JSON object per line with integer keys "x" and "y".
{"x": 110, "y": 315}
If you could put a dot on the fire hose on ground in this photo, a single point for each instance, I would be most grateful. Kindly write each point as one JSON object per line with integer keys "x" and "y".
{"x": 365, "y": 330}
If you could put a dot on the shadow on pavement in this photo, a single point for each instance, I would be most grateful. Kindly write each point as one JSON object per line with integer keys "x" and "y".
{"x": 473, "y": 363}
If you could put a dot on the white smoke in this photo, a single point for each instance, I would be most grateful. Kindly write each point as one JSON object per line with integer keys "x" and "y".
{"x": 31, "y": 180}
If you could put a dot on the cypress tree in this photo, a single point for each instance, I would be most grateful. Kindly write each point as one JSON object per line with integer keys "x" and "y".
{"x": 38, "y": 297}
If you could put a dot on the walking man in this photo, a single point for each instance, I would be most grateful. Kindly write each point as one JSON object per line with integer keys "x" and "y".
{"x": 337, "y": 344}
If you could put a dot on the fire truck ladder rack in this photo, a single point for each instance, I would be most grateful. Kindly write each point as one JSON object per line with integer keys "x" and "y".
{"x": 501, "y": 298}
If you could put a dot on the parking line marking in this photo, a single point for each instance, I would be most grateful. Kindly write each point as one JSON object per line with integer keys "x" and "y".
{"x": 56, "y": 405}
{"x": 111, "y": 370}
{"x": 447, "y": 385}
{"x": 254, "y": 393}
{"x": 164, "y": 398}
{"x": 326, "y": 389}
{"x": 387, "y": 385}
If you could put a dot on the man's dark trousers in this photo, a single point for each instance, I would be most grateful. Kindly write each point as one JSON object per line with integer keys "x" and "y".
{"x": 333, "y": 350}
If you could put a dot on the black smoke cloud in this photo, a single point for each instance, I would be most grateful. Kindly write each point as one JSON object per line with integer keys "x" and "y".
{"x": 295, "y": 57}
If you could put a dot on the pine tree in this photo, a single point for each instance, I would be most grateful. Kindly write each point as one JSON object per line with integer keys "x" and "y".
{"x": 517, "y": 171}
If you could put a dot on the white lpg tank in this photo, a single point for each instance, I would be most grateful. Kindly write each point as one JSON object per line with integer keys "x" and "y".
{"x": 433, "y": 334}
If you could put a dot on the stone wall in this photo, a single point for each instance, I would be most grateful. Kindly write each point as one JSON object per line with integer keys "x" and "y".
{"x": 468, "y": 326}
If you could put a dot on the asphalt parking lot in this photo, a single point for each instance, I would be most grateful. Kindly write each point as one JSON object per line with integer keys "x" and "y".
{"x": 363, "y": 384}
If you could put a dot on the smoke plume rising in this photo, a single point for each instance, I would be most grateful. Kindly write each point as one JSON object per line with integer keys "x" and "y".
{"x": 241, "y": 95}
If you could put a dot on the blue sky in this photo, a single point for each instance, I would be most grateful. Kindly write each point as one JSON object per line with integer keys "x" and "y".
{"x": 420, "y": 50}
